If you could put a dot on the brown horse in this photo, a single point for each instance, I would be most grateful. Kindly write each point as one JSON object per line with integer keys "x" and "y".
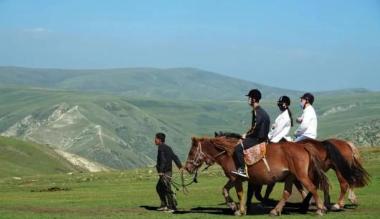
{"x": 287, "y": 161}
{"x": 341, "y": 156}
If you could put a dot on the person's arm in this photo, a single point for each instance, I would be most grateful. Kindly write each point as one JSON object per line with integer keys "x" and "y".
{"x": 305, "y": 123}
{"x": 256, "y": 122}
{"x": 176, "y": 160}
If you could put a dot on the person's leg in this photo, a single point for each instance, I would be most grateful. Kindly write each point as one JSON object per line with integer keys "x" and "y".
{"x": 169, "y": 194}
{"x": 161, "y": 193}
{"x": 300, "y": 138}
{"x": 239, "y": 157}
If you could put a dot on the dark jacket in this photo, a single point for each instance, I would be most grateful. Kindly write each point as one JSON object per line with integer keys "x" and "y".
{"x": 260, "y": 125}
{"x": 165, "y": 156}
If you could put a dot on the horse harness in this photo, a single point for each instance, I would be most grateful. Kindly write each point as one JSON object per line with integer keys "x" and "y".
{"x": 200, "y": 155}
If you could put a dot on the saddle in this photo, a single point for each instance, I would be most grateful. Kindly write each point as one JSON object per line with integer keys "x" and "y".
{"x": 254, "y": 154}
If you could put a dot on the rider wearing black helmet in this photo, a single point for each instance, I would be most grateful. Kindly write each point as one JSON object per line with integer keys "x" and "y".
{"x": 256, "y": 134}
{"x": 283, "y": 122}
{"x": 308, "y": 120}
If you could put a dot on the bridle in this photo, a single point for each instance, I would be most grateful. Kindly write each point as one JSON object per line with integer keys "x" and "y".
{"x": 200, "y": 156}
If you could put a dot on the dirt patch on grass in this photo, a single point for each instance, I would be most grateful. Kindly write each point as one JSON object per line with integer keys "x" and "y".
{"x": 51, "y": 189}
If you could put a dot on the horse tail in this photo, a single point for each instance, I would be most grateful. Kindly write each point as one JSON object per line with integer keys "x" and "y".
{"x": 352, "y": 172}
{"x": 364, "y": 177}
{"x": 319, "y": 178}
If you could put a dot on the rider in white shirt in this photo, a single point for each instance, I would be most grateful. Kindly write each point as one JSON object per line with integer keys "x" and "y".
{"x": 283, "y": 122}
{"x": 308, "y": 120}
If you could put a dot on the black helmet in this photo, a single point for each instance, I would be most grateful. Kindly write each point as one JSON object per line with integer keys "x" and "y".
{"x": 309, "y": 97}
{"x": 254, "y": 94}
{"x": 284, "y": 99}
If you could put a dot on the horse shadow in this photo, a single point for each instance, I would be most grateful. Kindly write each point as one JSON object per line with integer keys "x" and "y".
{"x": 254, "y": 209}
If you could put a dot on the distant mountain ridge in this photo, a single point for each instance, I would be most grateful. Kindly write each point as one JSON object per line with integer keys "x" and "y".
{"x": 153, "y": 83}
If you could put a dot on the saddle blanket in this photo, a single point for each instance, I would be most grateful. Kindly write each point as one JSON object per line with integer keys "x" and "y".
{"x": 254, "y": 154}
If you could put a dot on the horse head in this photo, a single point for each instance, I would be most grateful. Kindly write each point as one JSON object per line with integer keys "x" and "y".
{"x": 198, "y": 154}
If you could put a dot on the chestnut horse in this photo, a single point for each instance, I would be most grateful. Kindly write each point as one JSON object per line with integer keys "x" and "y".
{"x": 288, "y": 162}
{"x": 341, "y": 156}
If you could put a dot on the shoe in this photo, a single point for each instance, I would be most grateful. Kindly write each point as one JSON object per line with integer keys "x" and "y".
{"x": 240, "y": 172}
{"x": 169, "y": 210}
{"x": 163, "y": 208}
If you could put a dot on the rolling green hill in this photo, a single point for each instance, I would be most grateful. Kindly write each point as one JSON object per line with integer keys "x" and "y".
{"x": 153, "y": 83}
{"x": 118, "y": 131}
{"x": 20, "y": 158}
{"x": 110, "y": 116}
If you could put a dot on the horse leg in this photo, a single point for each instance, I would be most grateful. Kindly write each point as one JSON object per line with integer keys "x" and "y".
{"x": 285, "y": 196}
{"x": 343, "y": 189}
{"x": 240, "y": 195}
{"x": 300, "y": 189}
{"x": 253, "y": 189}
{"x": 313, "y": 190}
{"x": 226, "y": 194}
{"x": 268, "y": 191}
{"x": 351, "y": 196}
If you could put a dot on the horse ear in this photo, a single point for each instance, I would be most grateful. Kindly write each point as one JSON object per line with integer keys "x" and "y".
{"x": 193, "y": 139}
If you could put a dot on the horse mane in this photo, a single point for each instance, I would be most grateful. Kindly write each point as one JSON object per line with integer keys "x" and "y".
{"x": 226, "y": 144}
{"x": 222, "y": 143}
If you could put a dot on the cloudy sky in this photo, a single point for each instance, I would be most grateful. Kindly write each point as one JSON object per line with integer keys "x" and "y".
{"x": 309, "y": 45}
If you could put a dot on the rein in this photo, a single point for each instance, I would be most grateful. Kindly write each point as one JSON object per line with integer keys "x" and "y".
{"x": 198, "y": 159}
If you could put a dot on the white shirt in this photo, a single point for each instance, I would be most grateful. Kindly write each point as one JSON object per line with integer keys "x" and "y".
{"x": 280, "y": 128}
{"x": 308, "y": 126}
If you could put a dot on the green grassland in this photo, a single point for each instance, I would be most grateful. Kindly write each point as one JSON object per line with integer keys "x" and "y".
{"x": 19, "y": 158}
{"x": 131, "y": 194}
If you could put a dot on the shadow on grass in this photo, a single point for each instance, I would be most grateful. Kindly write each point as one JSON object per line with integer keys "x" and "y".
{"x": 253, "y": 209}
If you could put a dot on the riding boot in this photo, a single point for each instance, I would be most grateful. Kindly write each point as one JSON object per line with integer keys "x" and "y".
{"x": 239, "y": 161}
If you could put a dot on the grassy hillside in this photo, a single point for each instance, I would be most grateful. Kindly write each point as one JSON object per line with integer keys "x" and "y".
{"x": 131, "y": 194}
{"x": 118, "y": 131}
{"x": 176, "y": 83}
{"x": 20, "y": 158}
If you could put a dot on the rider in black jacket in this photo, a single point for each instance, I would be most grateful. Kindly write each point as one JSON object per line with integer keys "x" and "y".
{"x": 256, "y": 134}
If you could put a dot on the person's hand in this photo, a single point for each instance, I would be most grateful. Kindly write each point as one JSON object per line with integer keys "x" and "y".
{"x": 299, "y": 120}
{"x": 160, "y": 174}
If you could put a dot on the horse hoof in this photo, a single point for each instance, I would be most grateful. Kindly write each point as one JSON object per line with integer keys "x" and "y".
{"x": 353, "y": 201}
{"x": 274, "y": 212}
{"x": 320, "y": 212}
{"x": 335, "y": 207}
{"x": 232, "y": 206}
{"x": 238, "y": 213}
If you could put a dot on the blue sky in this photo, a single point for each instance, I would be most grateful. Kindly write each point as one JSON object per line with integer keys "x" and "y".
{"x": 307, "y": 45}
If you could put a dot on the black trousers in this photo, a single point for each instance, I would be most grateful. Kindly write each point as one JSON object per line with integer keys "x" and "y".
{"x": 165, "y": 192}
{"x": 238, "y": 153}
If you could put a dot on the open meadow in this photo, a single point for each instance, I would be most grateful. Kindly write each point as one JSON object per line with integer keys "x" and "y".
{"x": 131, "y": 194}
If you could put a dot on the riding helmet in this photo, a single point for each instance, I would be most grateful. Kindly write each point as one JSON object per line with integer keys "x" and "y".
{"x": 309, "y": 97}
{"x": 284, "y": 99}
{"x": 254, "y": 94}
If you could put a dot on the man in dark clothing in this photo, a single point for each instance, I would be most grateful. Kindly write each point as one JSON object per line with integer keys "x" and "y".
{"x": 257, "y": 134}
{"x": 165, "y": 156}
